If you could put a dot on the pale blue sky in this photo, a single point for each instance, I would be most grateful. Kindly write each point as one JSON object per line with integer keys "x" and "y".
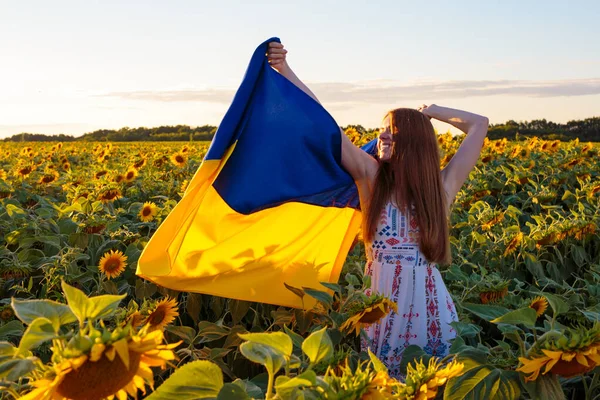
{"x": 76, "y": 66}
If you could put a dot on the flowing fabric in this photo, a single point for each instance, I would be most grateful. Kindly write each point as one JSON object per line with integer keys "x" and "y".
{"x": 270, "y": 204}
{"x": 399, "y": 270}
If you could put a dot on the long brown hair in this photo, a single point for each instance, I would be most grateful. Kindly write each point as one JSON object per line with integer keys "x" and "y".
{"x": 412, "y": 177}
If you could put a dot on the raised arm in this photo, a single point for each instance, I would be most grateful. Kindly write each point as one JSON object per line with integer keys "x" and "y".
{"x": 475, "y": 126}
{"x": 357, "y": 162}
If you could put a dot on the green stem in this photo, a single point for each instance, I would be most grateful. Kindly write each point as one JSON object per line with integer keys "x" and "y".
{"x": 270, "y": 386}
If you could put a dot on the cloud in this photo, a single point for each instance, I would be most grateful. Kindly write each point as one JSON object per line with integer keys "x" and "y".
{"x": 384, "y": 92}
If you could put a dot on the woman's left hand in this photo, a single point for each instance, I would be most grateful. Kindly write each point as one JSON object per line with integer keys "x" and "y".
{"x": 424, "y": 108}
{"x": 276, "y": 56}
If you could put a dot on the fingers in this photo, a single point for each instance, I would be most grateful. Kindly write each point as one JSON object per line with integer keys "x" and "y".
{"x": 276, "y": 48}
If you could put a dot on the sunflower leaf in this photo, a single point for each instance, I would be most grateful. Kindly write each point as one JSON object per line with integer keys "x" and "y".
{"x": 39, "y": 331}
{"x": 526, "y": 316}
{"x": 230, "y": 391}
{"x": 195, "y": 380}
{"x": 318, "y": 346}
{"x": 279, "y": 341}
{"x": 559, "y": 306}
{"x": 263, "y": 354}
{"x": 485, "y": 311}
{"x": 11, "y": 328}
{"x": 90, "y": 308}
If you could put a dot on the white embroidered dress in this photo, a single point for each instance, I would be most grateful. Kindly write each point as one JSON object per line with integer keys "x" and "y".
{"x": 399, "y": 270}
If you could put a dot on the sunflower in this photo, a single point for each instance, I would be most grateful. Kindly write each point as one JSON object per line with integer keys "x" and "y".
{"x": 2, "y": 175}
{"x": 486, "y": 159}
{"x": 184, "y": 186}
{"x": 100, "y": 174}
{"x": 488, "y": 225}
{"x": 139, "y": 164}
{"x": 113, "y": 263}
{"x": 512, "y": 245}
{"x": 108, "y": 370}
{"x": 539, "y": 304}
{"x": 422, "y": 382}
{"x": 368, "y": 313}
{"x": 568, "y": 354}
{"x": 586, "y": 148}
{"x": 7, "y": 314}
{"x": 148, "y": 211}
{"x": 25, "y": 171}
{"x": 119, "y": 178}
{"x": 49, "y": 177}
{"x": 492, "y": 296}
{"x": 130, "y": 175}
{"x": 545, "y": 146}
{"x": 136, "y": 319}
{"x": 109, "y": 195}
{"x": 163, "y": 314}
{"x": 179, "y": 159}
{"x": 66, "y": 166}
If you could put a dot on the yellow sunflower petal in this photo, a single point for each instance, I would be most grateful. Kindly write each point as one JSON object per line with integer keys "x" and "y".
{"x": 550, "y": 364}
{"x": 555, "y": 355}
{"x": 97, "y": 351}
{"x": 110, "y": 353}
{"x": 122, "y": 350}
{"x": 581, "y": 359}
{"x": 530, "y": 366}
{"x": 568, "y": 356}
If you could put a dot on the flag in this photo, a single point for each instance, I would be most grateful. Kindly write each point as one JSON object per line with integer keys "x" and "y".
{"x": 270, "y": 203}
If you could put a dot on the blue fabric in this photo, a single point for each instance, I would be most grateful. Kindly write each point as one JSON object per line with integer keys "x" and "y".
{"x": 288, "y": 146}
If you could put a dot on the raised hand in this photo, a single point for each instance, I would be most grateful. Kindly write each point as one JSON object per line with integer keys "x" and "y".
{"x": 276, "y": 56}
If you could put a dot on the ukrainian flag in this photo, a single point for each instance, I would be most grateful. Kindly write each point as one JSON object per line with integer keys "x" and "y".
{"x": 270, "y": 204}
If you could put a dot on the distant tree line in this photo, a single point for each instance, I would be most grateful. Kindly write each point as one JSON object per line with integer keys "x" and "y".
{"x": 587, "y": 130}
{"x": 126, "y": 134}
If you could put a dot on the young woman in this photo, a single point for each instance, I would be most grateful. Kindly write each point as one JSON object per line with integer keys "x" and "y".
{"x": 406, "y": 201}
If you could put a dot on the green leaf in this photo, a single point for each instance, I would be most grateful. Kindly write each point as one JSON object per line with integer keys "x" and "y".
{"x": 15, "y": 211}
{"x": 231, "y": 391}
{"x": 526, "y": 316}
{"x": 188, "y": 334}
{"x": 559, "y": 306}
{"x": 249, "y": 387}
{"x": 209, "y": 331}
{"x": 333, "y": 286}
{"x": 195, "y": 380}
{"x": 39, "y": 331}
{"x": 263, "y": 354}
{"x": 296, "y": 339}
{"x": 412, "y": 354}
{"x": 482, "y": 381}
{"x": 318, "y": 346}
{"x": 90, "y": 308}
{"x": 321, "y": 296}
{"x": 378, "y": 366}
{"x": 12, "y": 369}
{"x": 279, "y": 341}
{"x": 465, "y": 330}
{"x": 28, "y": 310}
{"x": 485, "y": 311}
{"x": 11, "y": 328}
{"x": 284, "y": 386}
{"x": 238, "y": 309}
{"x": 298, "y": 292}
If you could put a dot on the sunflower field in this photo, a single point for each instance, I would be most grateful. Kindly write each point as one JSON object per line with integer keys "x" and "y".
{"x": 76, "y": 322}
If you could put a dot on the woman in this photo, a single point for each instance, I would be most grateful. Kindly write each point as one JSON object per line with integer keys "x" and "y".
{"x": 406, "y": 201}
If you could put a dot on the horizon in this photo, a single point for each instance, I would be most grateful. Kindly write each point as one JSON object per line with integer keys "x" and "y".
{"x": 75, "y": 67}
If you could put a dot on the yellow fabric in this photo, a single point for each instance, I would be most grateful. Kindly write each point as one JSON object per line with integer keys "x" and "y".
{"x": 204, "y": 246}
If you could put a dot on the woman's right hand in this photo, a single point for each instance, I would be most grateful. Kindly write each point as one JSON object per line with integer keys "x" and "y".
{"x": 276, "y": 56}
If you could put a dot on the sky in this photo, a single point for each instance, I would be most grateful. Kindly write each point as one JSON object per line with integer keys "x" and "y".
{"x": 75, "y": 66}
